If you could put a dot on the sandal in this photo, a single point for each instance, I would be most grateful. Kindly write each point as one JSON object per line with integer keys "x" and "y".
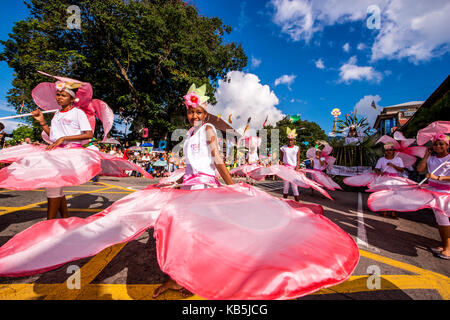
{"x": 443, "y": 256}
{"x": 435, "y": 250}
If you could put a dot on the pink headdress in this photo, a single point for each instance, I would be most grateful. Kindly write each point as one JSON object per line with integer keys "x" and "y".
{"x": 426, "y": 134}
{"x": 402, "y": 146}
{"x": 324, "y": 153}
{"x": 441, "y": 137}
{"x": 196, "y": 97}
{"x": 44, "y": 95}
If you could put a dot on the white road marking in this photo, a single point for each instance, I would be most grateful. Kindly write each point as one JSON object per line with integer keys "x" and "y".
{"x": 361, "y": 238}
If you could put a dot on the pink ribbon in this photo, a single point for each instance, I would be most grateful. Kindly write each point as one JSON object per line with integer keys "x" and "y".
{"x": 439, "y": 186}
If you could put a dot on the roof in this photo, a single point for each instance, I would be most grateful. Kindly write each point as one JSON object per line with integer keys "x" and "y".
{"x": 221, "y": 125}
{"x": 406, "y": 104}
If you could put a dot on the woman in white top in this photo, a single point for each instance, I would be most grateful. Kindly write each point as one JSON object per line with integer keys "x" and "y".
{"x": 69, "y": 125}
{"x": 389, "y": 165}
{"x": 202, "y": 158}
{"x": 440, "y": 181}
{"x": 290, "y": 156}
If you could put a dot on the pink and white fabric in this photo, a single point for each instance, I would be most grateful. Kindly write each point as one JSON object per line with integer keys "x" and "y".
{"x": 403, "y": 148}
{"x": 288, "y": 174}
{"x": 426, "y": 134}
{"x": 325, "y": 153}
{"x": 376, "y": 182}
{"x": 44, "y": 95}
{"x": 261, "y": 247}
{"x": 34, "y": 167}
{"x": 412, "y": 198}
{"x": 317, "y": 174}
{"x": 244, "y": 170}
{"x": 323, "y": 179}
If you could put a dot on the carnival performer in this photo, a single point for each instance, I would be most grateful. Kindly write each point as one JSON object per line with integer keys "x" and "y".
{"x": 64, "y": 162}
{"x": 398, "y": 154}
{"x": 289, "y": 170}
{"x": 229, "y": 242}
{"x": 252, "y": 160}
{"x": 320, "y": 159}
{"x": 290, "y": 157}
{"x": 434, "y": 195}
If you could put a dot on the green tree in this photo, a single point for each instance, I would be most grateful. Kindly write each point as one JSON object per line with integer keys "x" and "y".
{"x": 308, "y": 133}
{"x": 139, "y": 56}
{"x": 21, "y": 132}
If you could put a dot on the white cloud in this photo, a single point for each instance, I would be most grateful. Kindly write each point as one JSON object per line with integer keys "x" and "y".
{"x": 319, "y": 64}
{"x": 364, "y": 109}
{"x": 417, "y": 30}
{"x": 350, "y": 71}
{"x": 244, "y": 96}
{"x": 255, "y": 62}
{"x": 346, "y": 47}
{"x": 361, "y": 46}
{"x": 285, "y": 79}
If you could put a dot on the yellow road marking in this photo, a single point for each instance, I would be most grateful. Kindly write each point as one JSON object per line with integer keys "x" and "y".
{"x": 118, "y": 187}
{"x": 87, "y": 274}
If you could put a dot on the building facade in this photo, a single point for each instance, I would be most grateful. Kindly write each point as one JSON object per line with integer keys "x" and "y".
{"x": 395, "y": 116}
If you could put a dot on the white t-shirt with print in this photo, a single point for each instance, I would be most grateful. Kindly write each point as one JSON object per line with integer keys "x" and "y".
{"x": 433, "y": 162}
{"x": 382, "y": 164}
{"x": 70, "y": 123}
{"x": 317, "y": 165}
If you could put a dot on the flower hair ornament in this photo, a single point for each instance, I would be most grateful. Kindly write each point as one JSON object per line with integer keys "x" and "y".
{"x": 291, "y": 134}
{"x": 389, "y": 146}
{"x": 324, "y": 153}
{"x": 196, "y": 97}
{"x": 441, "y": 137}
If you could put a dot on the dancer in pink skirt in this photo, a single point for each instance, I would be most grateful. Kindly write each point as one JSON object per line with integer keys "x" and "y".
{"x": 434, "y": 195}
{"x": 64, "y": 162}
{"x": 220, "y": 242}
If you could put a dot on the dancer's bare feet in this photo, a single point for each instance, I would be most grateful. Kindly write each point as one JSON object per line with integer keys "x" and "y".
{"x": 171, "y": 285}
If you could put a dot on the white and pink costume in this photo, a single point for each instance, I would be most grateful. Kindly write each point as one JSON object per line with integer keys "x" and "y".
{"x": 229, "y": 242}
{"x": 34, "y": 167}
{"x": 405, "y": 156}
{"x": 317, "y": 172}
{"x": 434, "y": 195}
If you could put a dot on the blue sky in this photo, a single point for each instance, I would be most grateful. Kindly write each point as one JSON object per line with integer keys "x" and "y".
{"x": 312, "y": 49}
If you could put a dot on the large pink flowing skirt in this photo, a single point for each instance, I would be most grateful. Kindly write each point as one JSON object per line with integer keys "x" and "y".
{"x": 376, "y": 182}
{"x": 323, "y": 179}
{"x": 33, "y": 167}
{"x": 244, "y": 170}
{"x": 231, "y": 242}
{"x": 410, "y": 198}
{"x": 288, "y": 173}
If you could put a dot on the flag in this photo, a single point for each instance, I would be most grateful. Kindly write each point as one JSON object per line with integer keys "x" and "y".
{"x": 229, "y": 119}
{"x": 218, "y": 116}
{"x": 294, "y": 119}
{"x": 247, "y": 126}
{"x": 23, "y": 103}
{"x": 373, "y": 105}
{"x": 264, "y": 124}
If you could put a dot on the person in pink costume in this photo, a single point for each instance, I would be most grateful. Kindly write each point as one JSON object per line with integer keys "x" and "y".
{"x": 434, "y": 195}
{"x": 63, "y": 162}
{"x": 229, "y": 242}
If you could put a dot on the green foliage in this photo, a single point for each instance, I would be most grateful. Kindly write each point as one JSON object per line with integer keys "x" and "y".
{"x": 139, "y": 56}
{"x": 440, "y": 110}
{"x": 22, "y": 132}
{"x": 365, "y": 154}
{"x": 309, "y": 132}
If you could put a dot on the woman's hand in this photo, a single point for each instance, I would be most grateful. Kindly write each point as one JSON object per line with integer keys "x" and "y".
{"x": 432, "y": 176}
{"x": 37, "y": 115}
{"x": 56, "y": 143}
